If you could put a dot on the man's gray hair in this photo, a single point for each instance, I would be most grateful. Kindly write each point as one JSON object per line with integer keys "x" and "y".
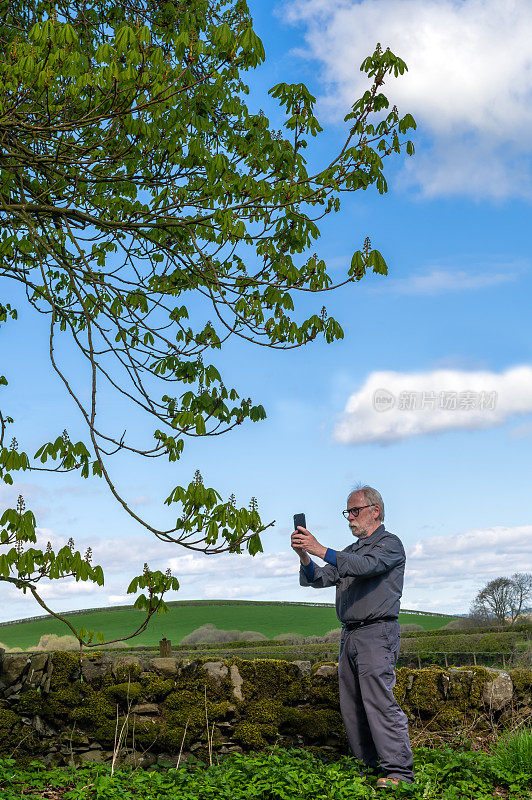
{"x": 372, "y": 497}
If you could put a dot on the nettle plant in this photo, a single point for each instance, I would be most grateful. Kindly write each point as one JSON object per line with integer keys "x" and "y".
{"x": 150, "y": 215}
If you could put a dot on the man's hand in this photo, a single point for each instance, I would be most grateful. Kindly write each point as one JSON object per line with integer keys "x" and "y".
{"x": 303, "y": 555}
{"x": 304, "y": 540}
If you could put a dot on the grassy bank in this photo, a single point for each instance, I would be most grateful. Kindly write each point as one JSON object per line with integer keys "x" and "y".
{"x": 269, "y": 619}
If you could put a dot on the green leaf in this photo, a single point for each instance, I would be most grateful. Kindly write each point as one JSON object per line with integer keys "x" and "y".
{"x": 254, "y": 545}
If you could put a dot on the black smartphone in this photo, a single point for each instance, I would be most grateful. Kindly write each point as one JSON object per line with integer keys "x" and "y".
{"x": 299, "y": 519}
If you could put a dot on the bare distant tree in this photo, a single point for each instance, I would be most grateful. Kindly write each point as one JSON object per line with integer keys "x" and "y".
{"x": 502, "y": 600}
{"x": 522, "y": 592}
{"x": 478, "y": 617}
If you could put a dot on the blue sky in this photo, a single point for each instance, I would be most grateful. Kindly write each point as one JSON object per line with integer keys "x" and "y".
{"x": 452, "y": 316}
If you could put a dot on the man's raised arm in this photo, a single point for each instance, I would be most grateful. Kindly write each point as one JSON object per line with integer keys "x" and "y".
{"x": 386, "y": 554}
{"x": 310, "y": 574}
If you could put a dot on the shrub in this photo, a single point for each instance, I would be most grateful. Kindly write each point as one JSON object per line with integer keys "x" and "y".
{"x": 495, "y": 642}
{"x": 457, "y": 624}
{"x": 289, "y": 638}
{"x": 210, "y": 633}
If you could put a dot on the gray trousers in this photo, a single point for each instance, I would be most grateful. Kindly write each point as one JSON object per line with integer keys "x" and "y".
{"x": 377, "y": 728}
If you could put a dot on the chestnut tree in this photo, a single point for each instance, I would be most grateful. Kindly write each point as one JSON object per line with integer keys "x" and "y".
{"x": 150, "y": 215}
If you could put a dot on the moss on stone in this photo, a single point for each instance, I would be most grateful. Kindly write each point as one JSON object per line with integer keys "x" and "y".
{"x": 424, "y": 694}
{"x": 171, "y": 739}
{"x": 195, "y": 714}
{"x": 403, "y": 676}
{"x": 127, "y": 672}
{"x": 427, "y": 700}
{"x": 253, "y": 736}
{"x": 195, "y": 682}
{"x": 314, "y": 724}
{"x": 154, "y": 687}
{"x": 108, "y": 729}
{"x": 218, "y": 711}
{"x": 8, "y": 721}
{"x": 58, "y": 704}
{"x": 266, "y": 678}
{"x": 481, "y": 677}
{"x": 16, "y": 736}
{"x": 65, "y": 669}
{"x": 187, "y": 710}
{"x": 270, "y": 712}
{"x": 522, "y": 681}
{"x": 73, "y": 737}
{"x": 31, "y": 702}
{"x": 183, "y": 699}
{"x": 124, "y": 692}
{"x": 321, "y": 691}
{"x": 460, "y": 688}
{"x": 94, "y": 708}
{"x": 147, "y": 732}
{"x": 446, "y": 718}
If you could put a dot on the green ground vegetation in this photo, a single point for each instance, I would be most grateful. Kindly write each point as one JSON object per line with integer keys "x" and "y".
{"x": 269, "y": 619}
{"x": 275, "y": 774}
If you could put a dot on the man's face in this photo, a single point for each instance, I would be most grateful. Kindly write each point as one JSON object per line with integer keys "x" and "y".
{"x": 365, "y": 523}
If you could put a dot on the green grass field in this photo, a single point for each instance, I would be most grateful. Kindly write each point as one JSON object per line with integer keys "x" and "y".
{"x": 185, "y": 616}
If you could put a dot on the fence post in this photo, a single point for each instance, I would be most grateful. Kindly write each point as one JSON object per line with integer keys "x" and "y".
{"x": 446, "y": 664}
{"x": 503, "y": 661}
{"x": 419, "y": 661}
{"x": 165, "y": 648}
{"x": 475, "y": 659}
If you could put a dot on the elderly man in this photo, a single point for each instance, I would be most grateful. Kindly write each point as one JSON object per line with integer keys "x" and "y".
{"x": 368, "y": 576}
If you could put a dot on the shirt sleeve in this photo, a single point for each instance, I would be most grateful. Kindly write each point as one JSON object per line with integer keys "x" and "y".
{"x": 330, "y": 556}
{"x": 382, "y": 558}
{"x": 321, "y": 578}
{"x": 308, "y": 569}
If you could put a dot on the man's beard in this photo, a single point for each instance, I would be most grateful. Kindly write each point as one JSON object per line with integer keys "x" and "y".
{"x": 358, "y": 531}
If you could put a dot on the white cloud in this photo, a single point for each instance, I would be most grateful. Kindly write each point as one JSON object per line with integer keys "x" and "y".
{"x": 444, "y": 276}
{"x": 438, "y": 281}
{"x": 260, "y": 566}
{"x": 458, "y": 565}
{"x": 67, "y": 588}
{"x": 134, "y": 552}
{"x": 141, "y": 500}
{"x": 469, "y": 82}
{"x": 215, "y": 591}
{"x": 391, "y": 406}
{"x": 120, "y": 599}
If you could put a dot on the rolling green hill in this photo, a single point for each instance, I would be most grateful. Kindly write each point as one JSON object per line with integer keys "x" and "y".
{"x": 185, "y": 616}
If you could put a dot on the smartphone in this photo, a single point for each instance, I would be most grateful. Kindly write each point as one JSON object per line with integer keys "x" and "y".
{"x": 299, "y": 519}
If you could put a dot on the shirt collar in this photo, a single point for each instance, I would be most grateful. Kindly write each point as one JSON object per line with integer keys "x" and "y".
{"x": 377, "y": 533}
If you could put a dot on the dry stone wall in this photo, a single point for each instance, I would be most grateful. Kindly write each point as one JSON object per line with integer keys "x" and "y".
{"x": 64, "y": 709}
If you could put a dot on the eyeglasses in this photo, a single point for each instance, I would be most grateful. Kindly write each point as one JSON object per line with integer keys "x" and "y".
{"x": 355, "y": 511}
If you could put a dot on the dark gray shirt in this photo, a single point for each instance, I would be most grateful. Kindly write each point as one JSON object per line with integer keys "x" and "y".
{"x": 368, "y": 577}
